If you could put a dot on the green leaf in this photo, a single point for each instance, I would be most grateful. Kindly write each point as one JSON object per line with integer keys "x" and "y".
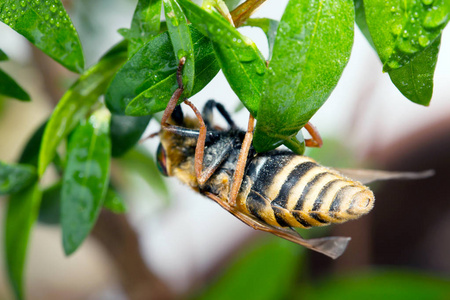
{"x": 415, "y": 79}
{"x": 144, "y": 26}
{"x": 379, "y": 285}
{"x": 181, "y": 41}
{"x": 15, "y": 177}
{"x": 76, "y": 103}
{"x": 360, "y": 18}
{"x": 30, "y": 152}
{"x": 269, "y": 27}
{"x": 139, "y": 161}
{"x": 20, "y": 216}
{"x": 50, "y": 208}
{"x": 85, "y": 179}
{"x": 239, "y": 58}
{"x": 47, "y": 26}
{"x": 402, "y": 29}
{"x": 312, "y": 47}
{"x": 114, "y": 202}
{"x": 10, "y": 88}
{"x": 3, "y": 55}
{"x": 245, "y": 74}
{"x": 266, "y": 271}
{"x": 126, "y": 132}
{"x": 214, "y": 26}
{"x": 152, "y": 64}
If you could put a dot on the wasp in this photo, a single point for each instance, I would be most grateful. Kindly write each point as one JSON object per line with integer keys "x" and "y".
{"x": 274, "y": 191}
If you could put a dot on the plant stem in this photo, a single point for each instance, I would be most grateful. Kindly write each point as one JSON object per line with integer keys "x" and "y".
{"x": 244, "y": 11}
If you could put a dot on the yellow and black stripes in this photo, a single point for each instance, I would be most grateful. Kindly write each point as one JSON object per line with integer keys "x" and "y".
{"x": 287, "y": 190}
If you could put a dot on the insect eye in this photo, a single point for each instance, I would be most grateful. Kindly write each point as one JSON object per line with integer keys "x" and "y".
{"x": 161, "y": 160}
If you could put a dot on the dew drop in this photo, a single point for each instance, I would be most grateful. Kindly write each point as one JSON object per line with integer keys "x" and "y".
{"x": 424, "y": 41}
{"x": 260, "y": 69}
{"x": 435, "y": 17}
{"x": 23, "y": 3}
{"x": 396, "y": 29}
{"x": 394, "y": 64}
{"x": 427, "y": 2}
{"x": 246, "y": 55}
{"x": 46, "y": 17}
{"x": 53, "y": 8}
{"x": 393, "y": 9}
{"x": 13, "y": 6}
{"x": 406, "y": 46}
{"x": 405, "y": 33}
{"x": 6, "y": 20}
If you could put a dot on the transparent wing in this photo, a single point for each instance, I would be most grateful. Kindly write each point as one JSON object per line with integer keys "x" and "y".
{"x": 330, "y": 246}
{"x": 366, "y": 176}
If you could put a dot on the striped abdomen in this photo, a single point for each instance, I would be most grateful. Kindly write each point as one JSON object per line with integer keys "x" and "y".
{"x": 284, "y": 189}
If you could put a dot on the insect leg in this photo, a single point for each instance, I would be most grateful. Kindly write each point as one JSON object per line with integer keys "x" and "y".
{"x": 176, "y": 95}
{"x": 315, "y": 140}
{"x": 207, "y": 113}
{"x": 171, "y": 108}
{"x": 330, "y": 246}
{"x": 202, "y": 175}
{"x": 242, "y": 161}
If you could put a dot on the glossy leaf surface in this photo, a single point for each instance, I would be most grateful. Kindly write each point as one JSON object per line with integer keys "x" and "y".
{"x": 144, "y": 26}
{"x": 10, "y": 88}
{"x": 312, "y": 47}
{"x": 76, "y": 103}
{"x": 181, "y": 41}
{"x": 269, "y": 27}
{"x": 20, "y": 216}
{"x": 30, "y": 152}
{"x": 85, "y": 180}
{"x": 15, "y": 177}
{"x": 402, "y": 29}
{"x": 50, "y": 208}
{"x": 46, "y": 25}
{"x": 141, "y": 78}
{"x": 126, "y": 132}
{"x": 114, "y": 202}
{"x": 239, "y": 58}
{"x": 415, "y": 79}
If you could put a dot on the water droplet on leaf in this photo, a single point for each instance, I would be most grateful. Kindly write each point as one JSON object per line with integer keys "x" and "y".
{"x": 396, "y": 29}
{"x": 424, "y": 41}
{"x": 436, "y": 17}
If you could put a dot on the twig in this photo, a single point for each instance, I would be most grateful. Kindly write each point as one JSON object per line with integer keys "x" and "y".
{"x": 244, "y": 11}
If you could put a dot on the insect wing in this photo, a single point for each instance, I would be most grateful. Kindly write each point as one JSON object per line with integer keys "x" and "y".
{"x": 367, "y": 176}
{"x": 330, "y": 246}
